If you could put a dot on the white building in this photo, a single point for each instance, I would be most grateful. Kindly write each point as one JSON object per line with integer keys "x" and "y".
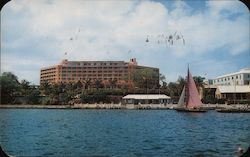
{"x": 146, "y": 99}
{"x": 241, "y": 77}
{"x": 238, "y": 92}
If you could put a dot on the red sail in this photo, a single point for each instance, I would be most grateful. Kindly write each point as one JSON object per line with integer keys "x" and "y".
{"x": 193, "y": 99}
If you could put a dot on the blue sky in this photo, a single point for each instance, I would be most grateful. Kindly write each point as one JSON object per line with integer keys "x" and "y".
{"x": 36, "y": 34}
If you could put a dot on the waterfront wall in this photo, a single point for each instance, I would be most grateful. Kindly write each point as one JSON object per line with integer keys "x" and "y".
{"x": 118, "y": 106}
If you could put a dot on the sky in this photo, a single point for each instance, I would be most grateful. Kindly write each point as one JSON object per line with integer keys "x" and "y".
{"x": 214, "y": 35}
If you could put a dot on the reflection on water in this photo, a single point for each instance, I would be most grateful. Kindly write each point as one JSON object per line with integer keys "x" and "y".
{"x": 41, "y": 132}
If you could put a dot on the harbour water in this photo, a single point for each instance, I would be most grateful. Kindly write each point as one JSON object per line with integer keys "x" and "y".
{"x": 122, "y": 133}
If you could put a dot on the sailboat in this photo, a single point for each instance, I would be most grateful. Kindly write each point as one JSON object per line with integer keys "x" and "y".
{"x": 189, "y": 100}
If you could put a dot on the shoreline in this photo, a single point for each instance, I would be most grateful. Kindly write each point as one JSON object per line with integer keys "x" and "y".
{"x": 217, "y": 107}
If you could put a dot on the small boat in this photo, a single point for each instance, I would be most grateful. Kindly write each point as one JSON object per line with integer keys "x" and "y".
{"x": 233, "y": 110}
{"x": 189, "y": 100}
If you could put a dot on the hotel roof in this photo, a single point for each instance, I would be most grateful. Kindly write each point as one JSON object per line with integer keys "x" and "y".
{"x": 146, "y": 96}
{"x": 245, "y": 70}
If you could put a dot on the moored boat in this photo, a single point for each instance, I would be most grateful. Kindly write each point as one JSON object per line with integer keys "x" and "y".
{"x": 233, "y": 110}
{"x": 185, "y": 109}
{"x": 189, "y": 100}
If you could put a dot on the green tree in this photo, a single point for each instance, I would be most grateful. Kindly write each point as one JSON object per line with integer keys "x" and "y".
{"x": 87, "y": 83}
{"x": 199, "y": 81}
{"x": 181, "y": 81}
{"x": 98, "y": 84}
{"x": 33, "y": 96}
{"x": 46, "y": 88}
{"x": 162, "y": 79}
{"x": 145, "y": 78}
{"x": 9, "y": 87}
{"x": 173, "y": 89}
{"x": 112, "y": 83}
{"x": 25, "y": 87}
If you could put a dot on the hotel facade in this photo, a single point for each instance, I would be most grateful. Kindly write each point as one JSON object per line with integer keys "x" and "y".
{"x": 234, "y": 87}
{"x": 75, "y": 71}
{"x": 241, "y": 77}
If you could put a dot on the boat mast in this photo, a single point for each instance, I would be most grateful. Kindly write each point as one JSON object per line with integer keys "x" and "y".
{"x": 187, "y": 87}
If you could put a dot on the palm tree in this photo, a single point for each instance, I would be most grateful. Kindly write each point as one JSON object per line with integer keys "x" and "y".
{"x": 25, "y": 85}
{"x": 87, "y": 83}
{"x": 98, "y": 84}
{"x": 78, "y": 87}
{"x": 200, "y": 84}
{"x": 199, "y": 81}
{"x": 113, "y": 83}
{"x": 162, "y": 79}
{"x": 46, "y": 88}
{"x": 180, "y": 84}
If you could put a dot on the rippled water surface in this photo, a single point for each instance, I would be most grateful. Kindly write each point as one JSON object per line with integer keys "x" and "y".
{"x": 122, "y": 133}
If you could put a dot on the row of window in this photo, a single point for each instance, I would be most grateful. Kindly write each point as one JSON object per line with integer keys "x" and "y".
{"x": 49, "y": 79}
{"x": 69, "y": 75}
{"x": 48, "y": 73}
{"x": 88, "y": 78}
{"x": 50, "y": 69}
{"x": 92, "y": 64}
{"x": 48, "y": 76}
{"x": 228, "y": 78}
{"x": 120, "y": 67}
{"x": 228, "y": 83}
{"x": 92, "y": 71}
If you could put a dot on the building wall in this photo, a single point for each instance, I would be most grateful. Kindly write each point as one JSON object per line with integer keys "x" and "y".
{"x": 233, "y": 96}
{"x": 48, "y": 74}
{"x": 246, "y": 79}
{"x": 240, "y": 78}
{"x": 74, "y": 71}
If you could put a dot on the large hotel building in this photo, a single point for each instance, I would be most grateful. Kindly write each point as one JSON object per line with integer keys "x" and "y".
{"x": 74, "y": 71}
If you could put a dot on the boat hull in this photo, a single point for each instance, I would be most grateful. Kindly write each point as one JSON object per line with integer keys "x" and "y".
{"x": 190, "y": 109}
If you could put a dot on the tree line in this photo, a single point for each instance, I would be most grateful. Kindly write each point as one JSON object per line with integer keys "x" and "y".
{"x": 22, "y": 92}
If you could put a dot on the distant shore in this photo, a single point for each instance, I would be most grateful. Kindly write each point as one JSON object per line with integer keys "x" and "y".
{"x": 219, "y": 107}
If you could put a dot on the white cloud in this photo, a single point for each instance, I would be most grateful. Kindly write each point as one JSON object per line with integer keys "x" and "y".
{"x": 108, "y": 30}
